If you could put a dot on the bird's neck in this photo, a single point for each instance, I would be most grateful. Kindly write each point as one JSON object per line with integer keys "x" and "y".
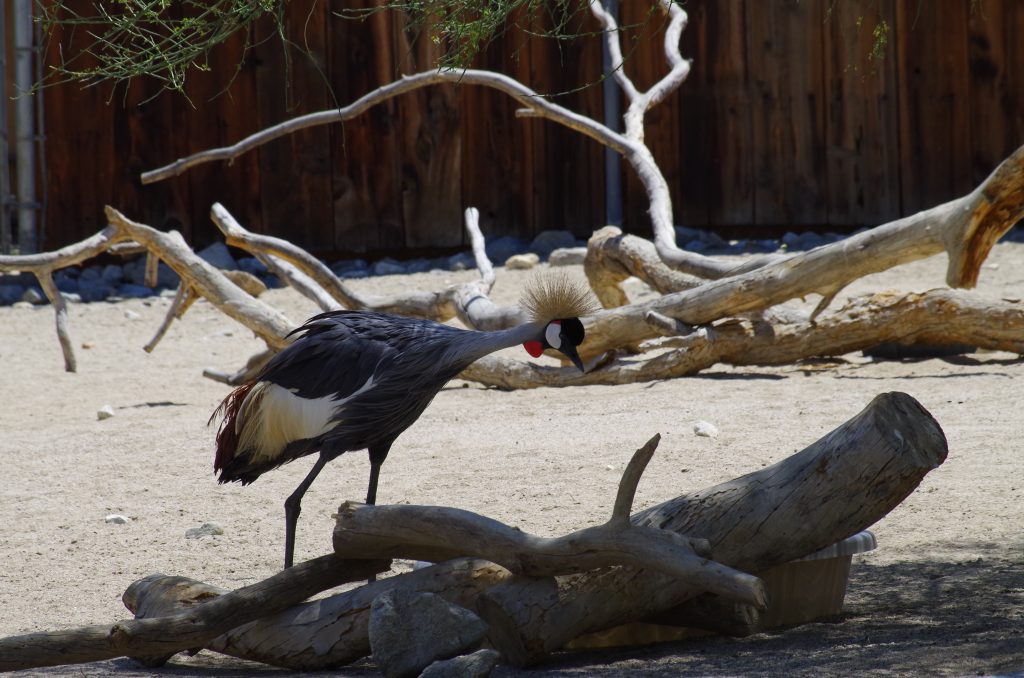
{"x": 485, "y": 343}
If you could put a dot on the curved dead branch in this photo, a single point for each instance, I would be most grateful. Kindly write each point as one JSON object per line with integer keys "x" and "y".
{"x": 43, "y": 265}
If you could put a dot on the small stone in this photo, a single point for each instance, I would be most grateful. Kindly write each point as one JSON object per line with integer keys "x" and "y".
{"x": 568, "y": 256}
{"x": 112, "y": 273}
{"x": 132, "y": 315}
{"x": 500, "y": 249}
{"x": 252, "y": 265}
{"x": 10, "y": 294}
{"x": 117, "y": 519}
{"x": 409, "y": 631}
{"x": 522, "y": 262}
{"x": 388, "y": 266}
{"x": 34, "y": 297}
{"x": 547, "y": 242}
{"x": 479, "y": 664}
{"x": 21, "y": 304}
{"x": 88, "y": 345}
{"x": 133, "y": 291}
{"x": 218, "y": 255}
{"x": 705, "y": 429}
{"x": 204, "y": 530}
{"x": 461, "y": 261}
{"x": 105, "y": 412}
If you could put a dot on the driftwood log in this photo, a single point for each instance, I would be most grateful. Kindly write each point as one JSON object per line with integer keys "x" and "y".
{"x": 832, "y": 489}
{"x": 319, "y": 634}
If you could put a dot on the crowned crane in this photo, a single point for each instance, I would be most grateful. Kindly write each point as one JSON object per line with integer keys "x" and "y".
{"x": 355, "y": 380}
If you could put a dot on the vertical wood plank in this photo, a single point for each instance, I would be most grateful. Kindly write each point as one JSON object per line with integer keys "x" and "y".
{"x": 219, "y": 112}
{"x": 495, "y": 144}
{"x": 430, "y": 147}
{"x": 365, "y": 162}
{"x": 995, "y": 65}
{"x": 862, "y": 118}
{"x": 784, "y": 44}
{"x": 295, "y": 171}
{"x": 568, "y": 168}
{"x": 935, "y": 139}
{"x": 717, "y": 146}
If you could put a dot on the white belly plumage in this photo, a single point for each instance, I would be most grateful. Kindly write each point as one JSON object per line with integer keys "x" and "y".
{"x": 272, "y": 416}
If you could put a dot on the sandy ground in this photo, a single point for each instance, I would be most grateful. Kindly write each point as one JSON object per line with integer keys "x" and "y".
{"x": 943, "y": 594}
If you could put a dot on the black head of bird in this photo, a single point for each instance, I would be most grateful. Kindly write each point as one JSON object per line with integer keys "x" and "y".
{"x": 355, "y": 380}
{"x": 557, "y": 303}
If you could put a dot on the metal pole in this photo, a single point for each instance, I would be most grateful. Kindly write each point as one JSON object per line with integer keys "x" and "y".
{"x": 612, "y": 120}
{"x": 5, "y": 167}
{"x": 24, "y": 127}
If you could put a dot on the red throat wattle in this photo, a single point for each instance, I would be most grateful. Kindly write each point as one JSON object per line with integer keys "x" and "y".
{"x": 534, "y": 348}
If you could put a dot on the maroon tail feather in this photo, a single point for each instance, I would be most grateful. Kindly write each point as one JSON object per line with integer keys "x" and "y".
{"x": 227, "y": 437}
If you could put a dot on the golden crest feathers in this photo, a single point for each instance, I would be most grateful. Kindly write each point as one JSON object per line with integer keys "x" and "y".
{"x": 553, "y": 295}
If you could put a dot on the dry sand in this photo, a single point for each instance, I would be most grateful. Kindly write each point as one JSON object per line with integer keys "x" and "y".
{"x": 943, "y": 594}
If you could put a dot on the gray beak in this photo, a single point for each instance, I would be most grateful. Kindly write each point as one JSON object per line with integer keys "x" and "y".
{"x": 574, "y": 357}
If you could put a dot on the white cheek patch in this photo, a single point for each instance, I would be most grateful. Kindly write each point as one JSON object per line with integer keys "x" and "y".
{"x": 552, "y": 335}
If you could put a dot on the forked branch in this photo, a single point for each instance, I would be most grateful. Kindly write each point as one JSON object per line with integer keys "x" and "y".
{"x": 437, "y": 534}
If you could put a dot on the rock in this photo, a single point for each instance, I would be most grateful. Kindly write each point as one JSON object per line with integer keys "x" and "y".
{"x": 252, "y": 265}
{"x": 409, "y": 631}
{"x": 204, "y": 530}
{"x": 568, "y": 256}
{"x": 476, "y": 665}
{"x": 105, "y": 412}
{"x": 217, "y": 255}
{"x": 418, "y": 266}
{"x": 133, "y": 291}
{"x": 461, "y": 261}
{"x": 132, "y": 315}
{"x": 10, "y": 294}
{"x": 345, "y": 267}
{"x": 65, "y": 282}
{"x": 117, "y": 519}
{"x": 547, "y": 242}
{"x": 72, "y": 297}
{"x": 112, "y": 273}
{"x": 94, "y": 289}
{"x": 34, "y": 296}
{"x": 165, "y": 277}
{"x": 388, "y": 266}
{"x": 500, "y": 249}
{"x": 695, "y": 245}
{"x": 522, "y": 262}
{"x": 21, "y": 304}
{"x": 686, "y": 234}
{"x": 705, "y": 429}
{"x": 90, "y": 274}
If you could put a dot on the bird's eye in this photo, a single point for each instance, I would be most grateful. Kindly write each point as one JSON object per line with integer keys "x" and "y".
{"x": 552, "y": 334}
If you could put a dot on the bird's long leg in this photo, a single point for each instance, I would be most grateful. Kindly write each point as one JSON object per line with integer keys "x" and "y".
{"x": 377, "y": 457}
{"x": 293, "y": 507}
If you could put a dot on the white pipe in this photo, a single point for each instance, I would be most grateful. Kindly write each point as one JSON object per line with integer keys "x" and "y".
{"x": 5, "y": 168}
{"x": 24, "y": 127}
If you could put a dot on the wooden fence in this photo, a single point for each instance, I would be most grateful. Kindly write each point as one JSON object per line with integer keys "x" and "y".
{"x": 785, "y": 123}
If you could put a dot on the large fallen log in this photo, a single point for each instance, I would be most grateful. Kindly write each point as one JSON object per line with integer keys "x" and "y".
{"x": 832, "y": 489}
